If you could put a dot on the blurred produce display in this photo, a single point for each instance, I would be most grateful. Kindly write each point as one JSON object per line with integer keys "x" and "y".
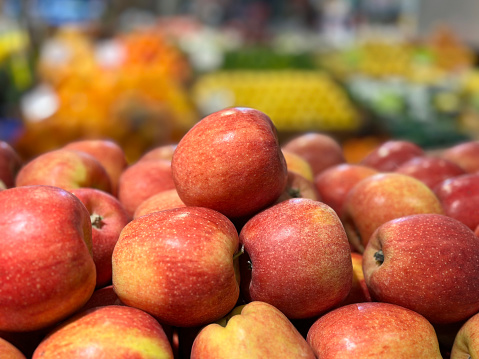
{"x": 422, "y": 91}
{"x": 296, "y": 100}
{"x": 130, "y": 88}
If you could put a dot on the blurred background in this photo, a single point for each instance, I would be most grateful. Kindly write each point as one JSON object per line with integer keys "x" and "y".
{"x": 143, "y": 72}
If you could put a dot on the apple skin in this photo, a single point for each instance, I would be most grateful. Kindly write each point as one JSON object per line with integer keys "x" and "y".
{"x": 66, "y": 169}
{"x": 102, "y": 297}
{"x": 299, "y": 258}
{"x": 320, "y": 150}
{"x": 186, "y": 257}
{"x": 425, "y": 257}
{"x": 260, "y": 331}
{"x": 163, "y": 152}
{"x": 359, "y": 292}
{"x": 296, "y": 163}
{"x": 10, "y": 164}
{"x": 430, "y": 170}
{"x": 143, "y": 180}
{"x": 46, "y": 267}
{"x": 334, "y": 184}
{"x": 168, "y": 199}
{"x": 465, "y": 154}
{"x": 466, "y": 342}
{"x": 298, "y": 187}
{"x": 459, "y": 196}
{"x": 231, "y": 162}
{"x": 391, "y": 154}
{"x": 381, "y": 198}
{"x": 108, "y": 217}
{"x": 107, "y": 332}
{"x": 476, "y": 232}
{"x": 8, "y": 351}
{"x": 108, "y": 153}
{"x": 373, "y": 330}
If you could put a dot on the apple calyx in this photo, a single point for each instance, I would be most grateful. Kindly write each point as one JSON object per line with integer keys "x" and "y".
{"x": 379, "y": 257}
{"x": 96, "y": 221}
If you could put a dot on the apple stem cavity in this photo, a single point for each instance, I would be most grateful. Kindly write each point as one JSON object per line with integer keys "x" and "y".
{"x": 294, "y": 192}
{"x": 240, "y": 252}
{"x": 379, "y": 257}
{"x": 250, "y": 265}
{"x": 96, "y": 220}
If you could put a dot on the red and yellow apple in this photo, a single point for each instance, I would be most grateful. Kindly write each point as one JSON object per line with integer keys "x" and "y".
{"x": 231, "y": 162}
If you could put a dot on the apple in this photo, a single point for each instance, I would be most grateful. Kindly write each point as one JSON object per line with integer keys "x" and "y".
{"x": 430, "y": 170}
{"x": 178, "y": 265}
{"x": 231, "y": 162}
{"x": 381, "y": 198}
{"x": 465, "y": 154}
{"x": 319, "y": 149}
{"x": 108, "y": 153}
{"x": 142, "y": 180}
{"x": 297, "y": 258}
{"x": 459, "y": 197}
{"x": 476, "y": 232}
{"x": 428, "y": 263}
{"x": 66, "y": 169}
{"x": 164, "y": 200}
{"x": 466, "y": 342}
{"x": 297, "y": 164}
{"x": 163, "y": 152}
{"x": 46, "y": 266}
{"x": 8, "y": 351}
{"x": 10, "y": 164}
{"x": 359, "y": 292}
{"x": 334, "y": 183}
{"x": 107, "y": 332}
{"x": 108, "y": 217}
{"x": 102, "y": 297}
{"x": 391, "y": 154}
{"x": 298, "y": 187}
{"x": 373, "y": 330}
{"x": 259, "y": 331}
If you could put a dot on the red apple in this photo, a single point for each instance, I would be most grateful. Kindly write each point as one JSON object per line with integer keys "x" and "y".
{"x": 143, "y": 180}
{"x": 430, "y": 170}
{"x": 298, "y": 187}
{"x": 465, "y": 154}
{"x": 108, "y": 153}
{"x": 297, "y": 164}
{"x": 107, "y": 332}
{"x": 259, "y": 331}
{"x": 320, "y": 150}
{"x": 466, "y": 343}
{"x": 8, "y": 351}
{"x": 296, "y": 252}
{"x": 459, "y": 197}
{"x": 334, "y": 184}
{"x": 163, "y": 152}
{"x": 359, "y": 291}
{"x": 373, "y": 330}
{"x": 391, "y": 154}
{"x": 381, "y": 198}
{"x": 102, "y": 297}
{"x": 428, "y": 263}
{"x": 231, "y": 162}
{"x": 10, "y": 164}
{"x": 66, "y": 169}
{"x": 164, "y": 200}
{"x": 185, "y": 257}
{"x": 108, "y": 217}
{"x": 46, "y": 267}
{"x": 476, "y": 232}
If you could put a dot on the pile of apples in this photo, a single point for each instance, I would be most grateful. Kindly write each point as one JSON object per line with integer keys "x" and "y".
{"x": 229, "y": 244}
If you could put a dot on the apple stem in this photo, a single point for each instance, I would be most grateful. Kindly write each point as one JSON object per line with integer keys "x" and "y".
{"x": 96, "y": 220}
{"x": 240, "y": 252}
{"x": 379, "y": 257}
